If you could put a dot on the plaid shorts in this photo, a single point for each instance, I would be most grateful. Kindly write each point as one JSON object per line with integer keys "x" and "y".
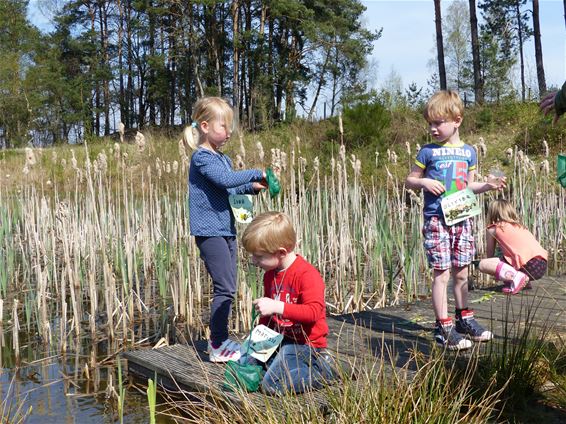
{"x": 535, "y": 268}
{"x": 448, "y": 246}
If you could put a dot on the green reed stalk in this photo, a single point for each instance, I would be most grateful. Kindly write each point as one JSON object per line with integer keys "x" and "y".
{"x": 152, "y": 398}
{"x": 121, "y": 392}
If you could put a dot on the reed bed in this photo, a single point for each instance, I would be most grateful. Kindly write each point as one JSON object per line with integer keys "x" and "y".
{"x": 427, "y": 390}
{"x": 110, "y": 255}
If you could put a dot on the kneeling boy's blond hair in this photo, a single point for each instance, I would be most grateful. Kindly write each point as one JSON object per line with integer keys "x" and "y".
{"x": 269, "y": 232}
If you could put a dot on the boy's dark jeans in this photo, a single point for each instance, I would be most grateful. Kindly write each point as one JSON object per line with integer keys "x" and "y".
{"x": 220, "y": 255}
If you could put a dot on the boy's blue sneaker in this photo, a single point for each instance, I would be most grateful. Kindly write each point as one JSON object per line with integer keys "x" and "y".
{"x": 445, "y": 334}
{"x": 467, "y": 325}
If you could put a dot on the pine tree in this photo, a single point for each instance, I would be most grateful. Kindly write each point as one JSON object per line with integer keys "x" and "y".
{"x": 17, "y": 39}
{"x": 505, "y": 31}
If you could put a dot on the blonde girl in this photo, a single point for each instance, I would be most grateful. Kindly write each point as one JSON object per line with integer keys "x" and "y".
{"x": 523, "y": 258}
{"x": 211, "y": 181}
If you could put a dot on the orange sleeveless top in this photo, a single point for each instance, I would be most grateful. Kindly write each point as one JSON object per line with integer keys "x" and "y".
{"x": 518, "y": 244}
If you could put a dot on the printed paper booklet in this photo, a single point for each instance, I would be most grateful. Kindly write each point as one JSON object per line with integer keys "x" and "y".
{"x": 460, "y": 206}
{"x": 242, "y": 207}
{"x": 263, "y": 341}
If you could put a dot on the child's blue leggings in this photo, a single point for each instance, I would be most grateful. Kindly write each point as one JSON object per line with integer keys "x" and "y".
{"x": 220, "y": 256}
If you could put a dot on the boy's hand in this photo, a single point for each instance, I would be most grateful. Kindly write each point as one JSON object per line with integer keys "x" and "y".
{"x": 433, "y": 186}
{"x": 496, "y": 182}
{"x": 266, "y": 306}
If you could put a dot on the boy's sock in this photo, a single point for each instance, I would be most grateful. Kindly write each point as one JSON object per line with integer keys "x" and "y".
{"x": 443, "y": 321}
{"x": 506, "y": 272}
{"x": 459, "y": 312}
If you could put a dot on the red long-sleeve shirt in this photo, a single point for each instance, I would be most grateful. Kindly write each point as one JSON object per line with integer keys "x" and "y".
{"x": 301, "y": 288}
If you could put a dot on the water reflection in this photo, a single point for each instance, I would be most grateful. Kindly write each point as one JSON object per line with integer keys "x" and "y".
{"x": 78, "y": 387}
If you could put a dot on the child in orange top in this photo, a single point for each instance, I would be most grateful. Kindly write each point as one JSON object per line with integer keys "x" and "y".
{"x": 523, "y": 257}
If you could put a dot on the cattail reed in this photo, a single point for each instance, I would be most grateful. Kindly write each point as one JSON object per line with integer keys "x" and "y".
{"x": 140, "y": 141}
{"x": 121, "y": 131}
{"x": 341, "y": 128}
{"x": 260, "y": 152}
{"x": 16, "y": 330}
{"x": 110, "y": 254}
{"x": 482, "y": 148}
{"x": 242, "y": 147}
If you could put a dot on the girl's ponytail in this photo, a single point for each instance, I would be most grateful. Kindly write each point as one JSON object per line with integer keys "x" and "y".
{"x": 191, "y": 137}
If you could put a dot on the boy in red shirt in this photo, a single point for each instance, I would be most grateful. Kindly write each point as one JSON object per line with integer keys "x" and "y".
{"x": 293, "y": 304}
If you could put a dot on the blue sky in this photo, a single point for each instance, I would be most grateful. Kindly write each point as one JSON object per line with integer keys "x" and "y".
{"x": 408, "y": 40}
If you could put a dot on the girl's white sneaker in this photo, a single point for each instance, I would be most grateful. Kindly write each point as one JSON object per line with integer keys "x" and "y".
{"x": 228, "y": 351}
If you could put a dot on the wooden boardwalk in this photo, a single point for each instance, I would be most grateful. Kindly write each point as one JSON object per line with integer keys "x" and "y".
{"x": 390, "y": 334}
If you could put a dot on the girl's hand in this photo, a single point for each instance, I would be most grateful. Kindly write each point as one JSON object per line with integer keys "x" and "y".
{"x": 433, "y": 186}
{"x": 258, "y": 186}
{"x": 267, "y": 307}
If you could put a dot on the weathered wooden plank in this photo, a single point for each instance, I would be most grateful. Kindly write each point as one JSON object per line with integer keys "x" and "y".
{"x": 388, "y": 334}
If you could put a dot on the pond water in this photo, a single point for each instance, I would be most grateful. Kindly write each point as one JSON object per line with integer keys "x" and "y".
{"x": 70, "y": 388}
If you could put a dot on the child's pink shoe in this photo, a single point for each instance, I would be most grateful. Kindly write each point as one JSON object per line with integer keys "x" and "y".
{"x": 516, "y": 287}
{"x": 507, "y": 285}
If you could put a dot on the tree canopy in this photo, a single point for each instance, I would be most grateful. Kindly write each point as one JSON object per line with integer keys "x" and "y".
{"x": 145, "y": 62}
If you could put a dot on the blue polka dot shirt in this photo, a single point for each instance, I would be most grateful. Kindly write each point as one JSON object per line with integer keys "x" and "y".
{"x": 211, "y": 181}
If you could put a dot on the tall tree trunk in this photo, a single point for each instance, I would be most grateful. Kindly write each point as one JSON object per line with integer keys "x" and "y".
{"x": 141, "y": 103}
{"x": 151, "y": 78}
{"x": 538, "y": 50}
{"x": 266, "y": 43}
{"x": 103, "y": 16}
{"x": 163, "y": 98}
{"x": 122, "y": 96}
{"x": 194, "y": 55}
{"x": 320, "y": 81}
{"x": 96, "y": 129}
{"x": 478, "y": 80}
{"x": 244, "y": 104}
{"x": 249, "y": 66}
{"x": 334, "y": 98}
{"x": 173, "y": 61}
{"x": 130, "y": 116}
{"x": 439, "y": 45}
{"x": 271, "y": 66}
{"x": 281, "y": 79}
{"x": 521, "y": 53}
{"x": 236, "y": 57}
{"x": 294, "y": 62}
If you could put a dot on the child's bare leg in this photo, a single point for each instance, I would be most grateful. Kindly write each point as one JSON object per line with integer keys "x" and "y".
{"x": 504, "y": 272}
{"x": 460, "y": 286}
{"x": 466, "y": 324}
{"x": 439, "y": 293}
{"x": 489, "y": 265}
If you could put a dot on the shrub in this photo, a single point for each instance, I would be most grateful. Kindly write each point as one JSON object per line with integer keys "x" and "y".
{"x": 532, "y": 137}
{"x": 365, "y": 122}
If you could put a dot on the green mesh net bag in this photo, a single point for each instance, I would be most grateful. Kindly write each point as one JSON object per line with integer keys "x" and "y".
{"x": 272, "y": 182}
{"x": 241, "y": 375}
{"x": 561, "y": 170}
